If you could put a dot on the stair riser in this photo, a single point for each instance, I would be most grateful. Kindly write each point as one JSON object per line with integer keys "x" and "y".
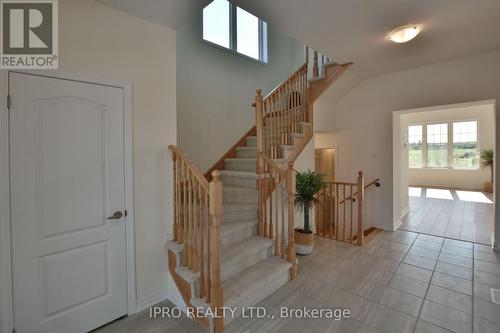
{"x": 244, "y": 261}
{"x": 238, "y": 216}
{"x": 252, "y": 142}
{"x": 238, "y": 235}
{"x": 268, "y": 287}
{"x": 240, "y": 166}
{"x": 246, "y": 153}
{"x": 250, "y": 183}
{"x": 250, "y": 197}
{"x": 286, "y": 152}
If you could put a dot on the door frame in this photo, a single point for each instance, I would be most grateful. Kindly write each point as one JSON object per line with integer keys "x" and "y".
{"x": 6, "y": 302}
{"x": 397, "y": 141}
{"x": 336, "y": 158}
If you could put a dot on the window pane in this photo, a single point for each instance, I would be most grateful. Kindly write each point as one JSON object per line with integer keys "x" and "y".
{"x": 247, "y": 26}
{"x": 465, "y": 145}
{"x": 437, "y": 145}
{"x": 415, "y": 146}
{"x": 216, "y": 23}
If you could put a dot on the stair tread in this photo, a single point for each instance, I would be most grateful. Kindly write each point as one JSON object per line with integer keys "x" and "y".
{"x": 248, "y": 281}
{"x": 245, "y": 247}
{"x": 242, "y": 174}
{"x": 254, "y": 160}
{"x": 247, "y": 148}
{"x": 241, "y": 159}
{"x": 293, "y": 134}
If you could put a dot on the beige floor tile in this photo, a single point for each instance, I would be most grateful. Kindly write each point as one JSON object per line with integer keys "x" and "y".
{"x": 486, "y": 310}
{"x": 485, "y": 326}
{"x": 409, "y": 285}
{"x": 455, "y": 270}
{"x": 430, "y": 239}
{"x": 414, "y": 272}
{"x": 455, "y": 260}
{"x": 450, "y": 298}
{"x": 393, "y": 245}
{"x": 396, "y": 322}
{"x": 487, "y": 266}
{"x": 388, "y": 253}
{"x": 489, "y": 279}
{"x": 420, "y": 261}
{"x": 458, "y": 243}
{"x": 483, "y": 248}
{"x": 395, "y": 299}
{"x": 445, "y": 317}
{"x": 427, "y": 244}
{"x": 355, "y": 326}
{"x": 426, "y": 327}
{"x": 490, "y": 256}
{"x": 452, "y": 282}
{"x": 424, "y": 252}
{"x": 457, "y": 251}
{"x": 482, "y": 291}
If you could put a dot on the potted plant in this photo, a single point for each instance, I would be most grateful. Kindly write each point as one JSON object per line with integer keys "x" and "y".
{"x": 487, "y": 160}
{"x": 307, "y": 186}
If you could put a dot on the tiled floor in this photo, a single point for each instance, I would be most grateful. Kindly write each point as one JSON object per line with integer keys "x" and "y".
{"x": 400, "y": 282}
{"x": 464, "y": 215}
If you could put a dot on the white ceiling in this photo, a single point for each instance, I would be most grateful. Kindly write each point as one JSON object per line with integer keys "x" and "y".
{"x": 354, "y": 30}
{"x": 169, "y": 13}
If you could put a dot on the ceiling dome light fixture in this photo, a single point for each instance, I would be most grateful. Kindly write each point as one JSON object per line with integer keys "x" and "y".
{"x": 405, "y": 33}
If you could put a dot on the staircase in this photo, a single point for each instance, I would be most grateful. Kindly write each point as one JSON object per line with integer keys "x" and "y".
{"x": 234, "y": 225}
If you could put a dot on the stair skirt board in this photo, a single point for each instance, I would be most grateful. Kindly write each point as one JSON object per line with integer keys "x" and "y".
{"x": 183, "y": 286}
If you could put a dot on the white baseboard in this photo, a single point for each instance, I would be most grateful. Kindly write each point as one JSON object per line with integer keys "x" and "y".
{"x": 177, "y": 300}
{"x": 396, "y": 224}
{"x": 151, "y": 300}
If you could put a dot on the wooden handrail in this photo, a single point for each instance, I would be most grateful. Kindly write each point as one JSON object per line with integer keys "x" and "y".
{"x": 284, "y": 82}
{"x": 374, "y": 182}
{"x": 273, "y": 165}
{"x": 199, "y": 176}
{"x": 196, "y": 225}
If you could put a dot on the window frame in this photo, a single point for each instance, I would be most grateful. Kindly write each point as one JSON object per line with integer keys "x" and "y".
{"x": 450, "y": 156}
{"x": 233, "y": 36}
{"x": 423, "y": 148}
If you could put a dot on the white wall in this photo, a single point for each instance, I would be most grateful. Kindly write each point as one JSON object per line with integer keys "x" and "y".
{"x": 101, "y": 42}
{"x": 363, "y": 119}
{"x": 455, "y": 178}
{"x": 216, "y": 89}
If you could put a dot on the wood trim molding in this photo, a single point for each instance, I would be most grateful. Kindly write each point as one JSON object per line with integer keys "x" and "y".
{"x": 319, "y": 86}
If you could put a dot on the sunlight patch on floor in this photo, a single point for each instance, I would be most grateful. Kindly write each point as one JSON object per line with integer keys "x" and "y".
{"x": 414, "y": 191}
{"x": 438, "y": 194}
{"x": 473, "y": 196}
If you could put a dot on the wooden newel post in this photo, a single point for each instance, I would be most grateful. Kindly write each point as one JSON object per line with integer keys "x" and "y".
{"x": 259, "y": 119}
{"x": 361, "y": 197}
{"x": 290, "y": 186}
{"x": 315, "y": 65}
{"x": 215, "y": 251}
{"x": 307, "y": 54}
{"x": 174, "y": 182}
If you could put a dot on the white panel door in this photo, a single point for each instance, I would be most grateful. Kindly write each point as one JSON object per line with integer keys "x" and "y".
{"x": 67, "y": 177}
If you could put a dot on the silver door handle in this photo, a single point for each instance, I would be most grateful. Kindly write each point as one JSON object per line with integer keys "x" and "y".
{"x": 116, "y": 216}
